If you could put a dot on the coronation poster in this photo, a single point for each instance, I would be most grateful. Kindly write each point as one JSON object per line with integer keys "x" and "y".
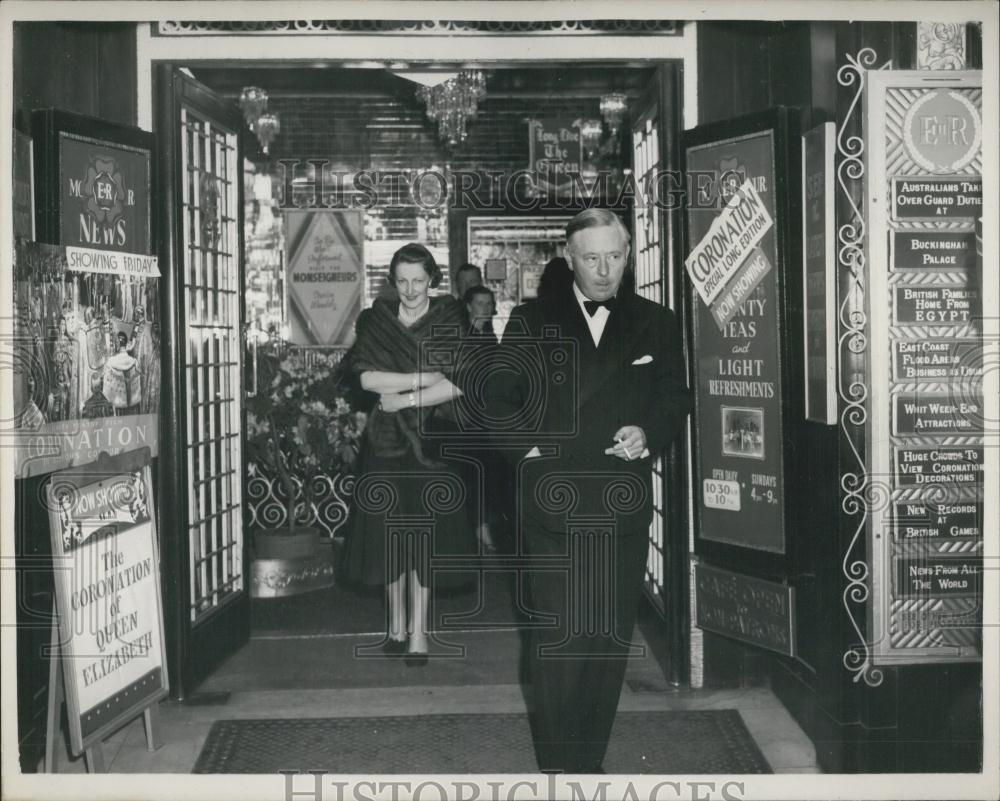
{"x": 733, "y": 266}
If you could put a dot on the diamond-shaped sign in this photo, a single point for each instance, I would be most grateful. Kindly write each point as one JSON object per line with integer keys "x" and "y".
{"x": 324, "y": 273}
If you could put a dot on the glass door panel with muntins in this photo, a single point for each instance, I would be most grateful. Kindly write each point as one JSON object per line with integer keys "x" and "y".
{"x": 648, "y": 257}
{"x": 211, "y": 287}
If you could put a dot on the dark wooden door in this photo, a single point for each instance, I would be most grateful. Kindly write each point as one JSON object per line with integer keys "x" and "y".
{"x": 655, "y": 129}
{"x": 206, "y": 597}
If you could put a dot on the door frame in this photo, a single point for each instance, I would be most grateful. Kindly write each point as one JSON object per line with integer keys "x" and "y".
{"x": 663, "y": 94}
{"x": 189, "y": 659}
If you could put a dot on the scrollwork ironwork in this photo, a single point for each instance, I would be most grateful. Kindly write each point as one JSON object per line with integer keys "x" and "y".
{"x": 326, "y": 506}
{"x": 858, "y": 494}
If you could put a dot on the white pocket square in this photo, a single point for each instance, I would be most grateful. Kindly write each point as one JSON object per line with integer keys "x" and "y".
{"x": 643, "y": 359}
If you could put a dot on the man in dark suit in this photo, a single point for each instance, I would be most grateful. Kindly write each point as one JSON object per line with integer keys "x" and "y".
{"x": 590, "y": 387}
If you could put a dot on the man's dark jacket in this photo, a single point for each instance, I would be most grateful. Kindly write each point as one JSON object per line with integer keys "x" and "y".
{"x": 552, "y": 388}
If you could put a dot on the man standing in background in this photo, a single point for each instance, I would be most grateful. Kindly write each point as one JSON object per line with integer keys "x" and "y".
{"x": 466, "y": 277}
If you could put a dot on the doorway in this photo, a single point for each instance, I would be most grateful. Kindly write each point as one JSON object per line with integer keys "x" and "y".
{"x": 339, "y": 120}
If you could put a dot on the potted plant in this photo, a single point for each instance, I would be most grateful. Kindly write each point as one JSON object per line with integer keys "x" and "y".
{"x": 299, "y": 426}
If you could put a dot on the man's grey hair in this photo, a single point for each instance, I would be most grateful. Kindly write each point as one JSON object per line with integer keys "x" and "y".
{"x": 597, "y": 218}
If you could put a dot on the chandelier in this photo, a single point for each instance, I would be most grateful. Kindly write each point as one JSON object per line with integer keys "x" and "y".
{"x": 266, "y": 126}
{"x": 453, "y": 103}
{"x": 613, "y": 107}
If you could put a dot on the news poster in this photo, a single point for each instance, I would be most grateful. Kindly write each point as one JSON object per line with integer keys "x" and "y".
{"x": 86, "y": 352}
{"x": 732, "y": 265}
{"x": 104, "y": 202}
{"x": 108, "y": 595}
{"x": 86, "y": 372}
{"x": 928, "y": 563}
{"x": 324, "y": 258}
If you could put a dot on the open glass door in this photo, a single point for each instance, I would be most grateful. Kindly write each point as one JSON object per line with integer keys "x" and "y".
{"x": 656, "y": 122}
{"x": 206, "y": 595}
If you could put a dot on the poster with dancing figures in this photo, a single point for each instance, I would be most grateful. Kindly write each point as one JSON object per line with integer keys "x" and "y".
{"x": 87, "y": 357}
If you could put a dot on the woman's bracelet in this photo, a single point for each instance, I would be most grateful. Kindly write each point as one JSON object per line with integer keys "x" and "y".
{"x": 416, "y": 382}
{"x": 413, "y": 399}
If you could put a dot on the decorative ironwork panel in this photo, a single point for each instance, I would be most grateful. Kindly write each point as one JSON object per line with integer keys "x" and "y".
{"x": 212, "y": 362}
{"x": 852, "y": 339}
{"x": 382, "y": 27}
{"x": 325, "y": 507}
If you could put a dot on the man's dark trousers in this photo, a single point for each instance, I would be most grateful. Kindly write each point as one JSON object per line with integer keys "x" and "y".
{"x": 576, "y": 668}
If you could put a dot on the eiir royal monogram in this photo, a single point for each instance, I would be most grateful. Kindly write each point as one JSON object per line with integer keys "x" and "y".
{"x": 104, "y": 200}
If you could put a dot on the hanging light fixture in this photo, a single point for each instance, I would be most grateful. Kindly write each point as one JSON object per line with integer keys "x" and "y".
{"x": 613, "y": 107}
{"x": 266, "y": 126}
{"x": 590, "y": 129}
{"x": 453, "y": 103}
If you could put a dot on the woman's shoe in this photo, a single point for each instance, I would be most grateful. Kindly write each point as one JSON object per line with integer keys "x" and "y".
{"x": 415, "y": 660}
{"x": 394, "y": 648}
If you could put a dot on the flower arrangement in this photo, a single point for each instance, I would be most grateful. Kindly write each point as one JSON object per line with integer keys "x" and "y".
{"x": 300, "y": 424}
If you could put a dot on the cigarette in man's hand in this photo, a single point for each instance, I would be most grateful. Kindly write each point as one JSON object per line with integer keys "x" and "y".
{"x": 628, "y": 453}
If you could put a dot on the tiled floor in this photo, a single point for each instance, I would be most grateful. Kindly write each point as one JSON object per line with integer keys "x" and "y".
{"x": 183, "y": 727}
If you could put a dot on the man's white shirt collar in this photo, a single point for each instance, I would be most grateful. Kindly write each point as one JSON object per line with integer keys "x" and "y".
{"x": 596, "y": 322}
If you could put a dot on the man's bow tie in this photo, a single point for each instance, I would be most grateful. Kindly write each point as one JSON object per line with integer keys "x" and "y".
{"x": 593, "y": 305}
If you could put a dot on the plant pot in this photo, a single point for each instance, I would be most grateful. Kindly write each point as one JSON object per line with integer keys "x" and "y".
{"x": 283, "y": 543}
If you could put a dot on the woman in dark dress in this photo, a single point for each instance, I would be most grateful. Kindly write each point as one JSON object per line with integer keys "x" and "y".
{"x": 409, "y": 503}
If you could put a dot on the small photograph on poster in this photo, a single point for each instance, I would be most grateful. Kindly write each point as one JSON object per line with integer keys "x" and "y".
{"x": 743, "y": 432}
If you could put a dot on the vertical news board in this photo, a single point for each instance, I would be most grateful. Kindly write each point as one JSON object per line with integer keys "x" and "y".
{"x": 924, "y": 201}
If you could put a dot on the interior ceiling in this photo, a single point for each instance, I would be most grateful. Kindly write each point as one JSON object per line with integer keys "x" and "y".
{"x": 567, "y": 79}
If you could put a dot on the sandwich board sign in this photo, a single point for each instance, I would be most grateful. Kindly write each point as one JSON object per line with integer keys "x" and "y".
{"x": 109, "y": 642}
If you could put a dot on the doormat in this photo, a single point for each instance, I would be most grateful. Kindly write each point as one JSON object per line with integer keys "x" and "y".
{"x": 677, "y": 742}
